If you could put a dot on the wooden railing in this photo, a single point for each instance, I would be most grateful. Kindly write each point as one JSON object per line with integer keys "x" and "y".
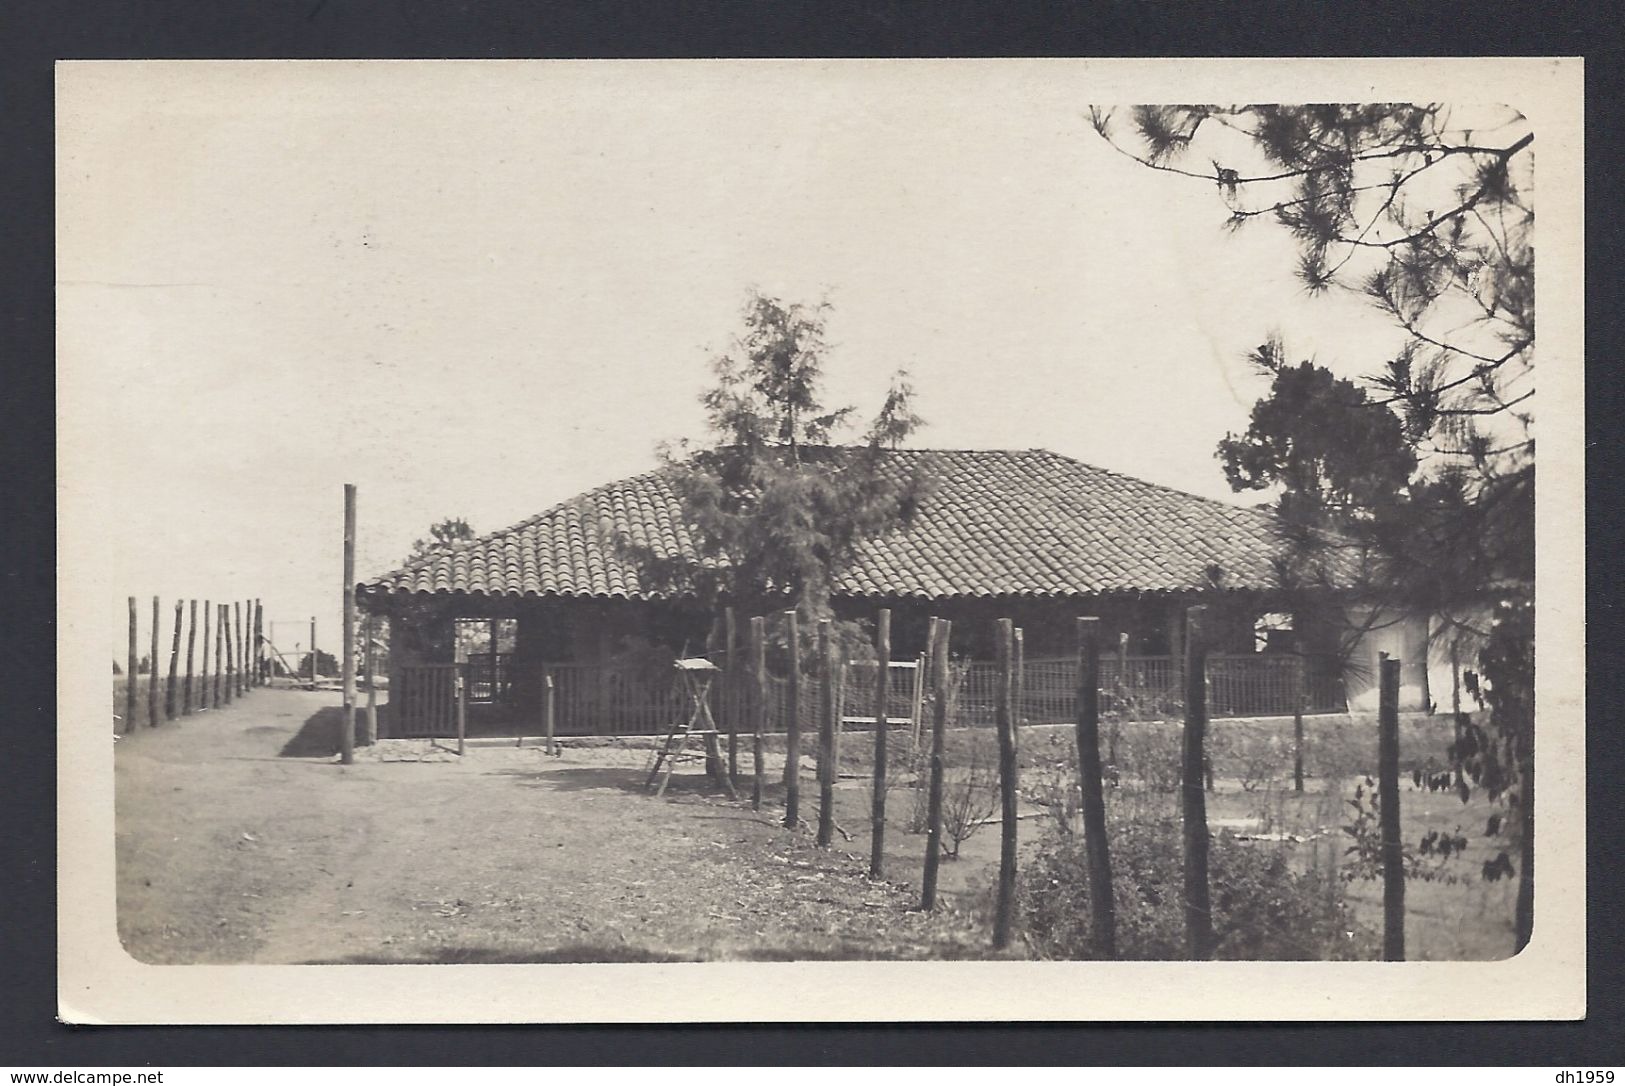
{"x": 423, "y": 702}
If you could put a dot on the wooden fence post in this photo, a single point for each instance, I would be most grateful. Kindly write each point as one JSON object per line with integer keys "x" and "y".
{"x": 877, "y": 806}
{"x": 1393, "y": 847}
{"x": 1299, "y": 706}
{"x": 347, "y": 666}
{"x": 203, "y": 699}
{"x": 152, "y": 670}
{"x": 792, "y": 733}
{"x": 1004, "y": 710}
{"x": 132, "y": 668}
{"x": 240, "y": 684}
{"x": 462, "y": 716}
{"x": 549, "y": 710}
{"x": 259, "y": 644}
{"x": 939, "y": 735}
{"x": 248, "y": 645}
{"x": 370, "y": 664}
{"x": 1097, "y": 847}
{"x": 1455, "y": 709}
{"x": 731, "y": 689}
{"x": 174, "y": 664}
{"x": 1018, "y": 695}
{"x": 826, "y": 734}
{"x": 758, "y": 702}
{"x": 1198, "y": 909}
{"x": 231, "y": 668}
{"x": 191, "y": 648}
{"x": 227, "y": 677}
{"x": 313, "y": 672}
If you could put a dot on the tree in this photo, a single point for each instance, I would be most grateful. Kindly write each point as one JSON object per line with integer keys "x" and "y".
{"x": 1338, "y": 457}
{"x": 443, "y": 536}
{"x": 1422, "y": 216}
{"x": 325, "y": 663}
{"x": 420, "y": 614}
{"x": 1426, "y": 214}
{"x": 775, "y": 504}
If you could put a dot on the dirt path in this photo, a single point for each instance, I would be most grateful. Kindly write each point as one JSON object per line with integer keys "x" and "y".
{"x": 240, "y": 840}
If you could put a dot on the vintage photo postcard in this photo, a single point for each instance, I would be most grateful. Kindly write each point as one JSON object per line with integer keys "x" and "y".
{"x": 812, "y": 541}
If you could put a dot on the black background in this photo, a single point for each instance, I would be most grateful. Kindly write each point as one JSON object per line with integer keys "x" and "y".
{"x": 33, "y": 34}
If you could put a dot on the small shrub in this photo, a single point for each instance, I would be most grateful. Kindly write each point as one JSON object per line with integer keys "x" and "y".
{"x": 1150, "y": 755}
{"x": 969, "y": 799}
{"x": 1263, "y": 909}
{"x": 1051, "y": 780}
{"x": 1256, "y": 759}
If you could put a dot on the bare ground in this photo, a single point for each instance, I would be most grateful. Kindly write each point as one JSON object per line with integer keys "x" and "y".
{"x": 239, "y": 840}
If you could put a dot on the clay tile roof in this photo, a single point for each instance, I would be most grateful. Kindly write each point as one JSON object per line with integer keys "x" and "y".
{"x": 999, "y": 522}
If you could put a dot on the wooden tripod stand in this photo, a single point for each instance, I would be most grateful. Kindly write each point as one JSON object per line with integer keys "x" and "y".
{"x": 696, "y": 676}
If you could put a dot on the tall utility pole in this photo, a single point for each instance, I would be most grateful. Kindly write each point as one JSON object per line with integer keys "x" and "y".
{"x": 347, "y": 672}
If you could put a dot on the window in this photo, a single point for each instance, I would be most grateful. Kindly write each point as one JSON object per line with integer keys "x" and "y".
{"x": 1273, "y": 632}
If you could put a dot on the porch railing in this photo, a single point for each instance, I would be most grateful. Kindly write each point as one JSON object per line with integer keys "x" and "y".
{"x": 594, "y": 699}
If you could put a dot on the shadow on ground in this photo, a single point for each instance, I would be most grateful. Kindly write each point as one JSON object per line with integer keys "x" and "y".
{"x": 318, "y": 737}
{"x": 617, "y": 778}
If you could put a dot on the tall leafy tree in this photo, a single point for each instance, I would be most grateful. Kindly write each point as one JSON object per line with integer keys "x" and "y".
{"x": 783, "y": 490}
{"x": 1426, "y": 212}
{"x": 1338, "y": 458}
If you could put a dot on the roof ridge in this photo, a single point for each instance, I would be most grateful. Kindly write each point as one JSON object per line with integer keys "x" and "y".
{"x": 1137, "y": 481}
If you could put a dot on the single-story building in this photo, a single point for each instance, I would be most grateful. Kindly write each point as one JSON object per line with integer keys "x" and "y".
{"x": 1028, "y": 535}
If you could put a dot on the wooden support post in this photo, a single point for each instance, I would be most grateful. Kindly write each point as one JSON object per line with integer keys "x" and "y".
{"x": 731, "y": 688}
{"x": 1198, "y": 909}
{"x": 237, "y": 647}
{"x": 1097, "y": 848}
{"x": 792, "y": 735}
{"x": 191, "y": 650}
{"x": 462, "y": 713}
{"x": 1455, "y": 710}
{"x": 830, "y": 667}
{"x": 1018, "y": 649}
{"x": 170, "y": 691}
{"x": 347, "y": 667}
{"x": 1004, "y": 711}
{"x": 1393, "y": 845}
{"x": 1122, "y": 698}
{"x": 941, "y": 631}
{"x": 877, "y": 805}
{"x": 132, "y": 670}
{"x": 758, "y": 702}
{"x": 370, "y": 665}
{"x": 230, "y": 669}
{"x": 1122, "y": 667}
{"x": 313, "y": 673}
{"x": 248, "y": 645}
{"x": 259, "y": 645}
{"x": 1300, "y": 704}
{"x": 152, "y": 670}
{"x": 203, "y": 699}
{"x": 549, "y": 709}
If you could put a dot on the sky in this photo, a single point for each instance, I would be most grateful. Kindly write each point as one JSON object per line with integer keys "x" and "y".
{"x": 478, "y": 289}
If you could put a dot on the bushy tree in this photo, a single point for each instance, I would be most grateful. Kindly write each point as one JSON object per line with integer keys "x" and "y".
{"x": 443, "y": 536}
{"x": 425, "y": 615}
{"x": 779, "y": 496}
{"x": 1338, "y": 458}
{"x": 1427, "y": 214}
